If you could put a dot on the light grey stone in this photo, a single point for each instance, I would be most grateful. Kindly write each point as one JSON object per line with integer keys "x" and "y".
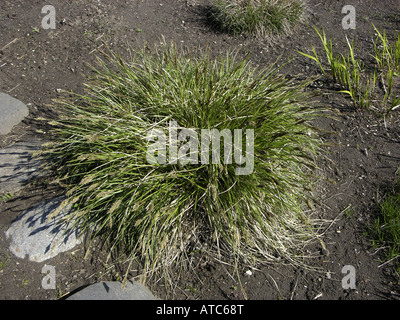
{"x": 112, "y": 290}
{"x": 12, "y": 112}
{"x": 33, "y": 236}
{"x": 17, "y": 165}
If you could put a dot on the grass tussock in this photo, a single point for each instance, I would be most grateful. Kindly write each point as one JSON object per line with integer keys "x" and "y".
{"x": 258, "y": 17}
{"x": 159, "y": 213}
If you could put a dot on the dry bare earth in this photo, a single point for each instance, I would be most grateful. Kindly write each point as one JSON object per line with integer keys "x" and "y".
{"x": 365, "y": 154}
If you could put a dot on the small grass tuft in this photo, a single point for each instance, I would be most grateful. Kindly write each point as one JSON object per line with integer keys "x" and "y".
{"x": 257, "y": 17}
{"x": 386, "y": 229}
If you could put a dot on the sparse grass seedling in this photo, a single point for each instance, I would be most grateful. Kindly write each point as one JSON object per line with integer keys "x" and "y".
{"x": 4, "y": 259}
{"x": 347, "y": 71}
{"x": 352, "y": 75}
{"x": 159, "y": 213}
{"x": 387, "y": 57}
{"x": 23, "y": 283}
{"x": 349, "y": 211}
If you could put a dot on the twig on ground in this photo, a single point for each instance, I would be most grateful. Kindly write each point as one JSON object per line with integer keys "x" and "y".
{"x": 383, "y": 264}
{"x": 10, "y": 43}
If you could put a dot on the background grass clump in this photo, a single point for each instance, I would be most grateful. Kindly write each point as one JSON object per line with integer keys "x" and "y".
{"x": 385, "y": 231}
{"x": 158, "y": 213}
{"x": 257, "y": 17}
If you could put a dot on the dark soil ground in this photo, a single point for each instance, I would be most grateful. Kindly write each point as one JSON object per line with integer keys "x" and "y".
{"x": 362, "y": 162}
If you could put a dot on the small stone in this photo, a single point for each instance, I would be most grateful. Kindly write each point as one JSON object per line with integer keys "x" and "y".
{"x": 12, "y": 112}
{"x": 18, "y": 166}
{"x": 112, "y": 290}
{"x": 318, "y": 296}
{"x": 33, "y": 236}
{"x": 328, "y": 275}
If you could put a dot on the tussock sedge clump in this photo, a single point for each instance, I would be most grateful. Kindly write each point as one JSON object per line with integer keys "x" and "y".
{"x": 159, "y": 213}
{"x": 258, "y": 17}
